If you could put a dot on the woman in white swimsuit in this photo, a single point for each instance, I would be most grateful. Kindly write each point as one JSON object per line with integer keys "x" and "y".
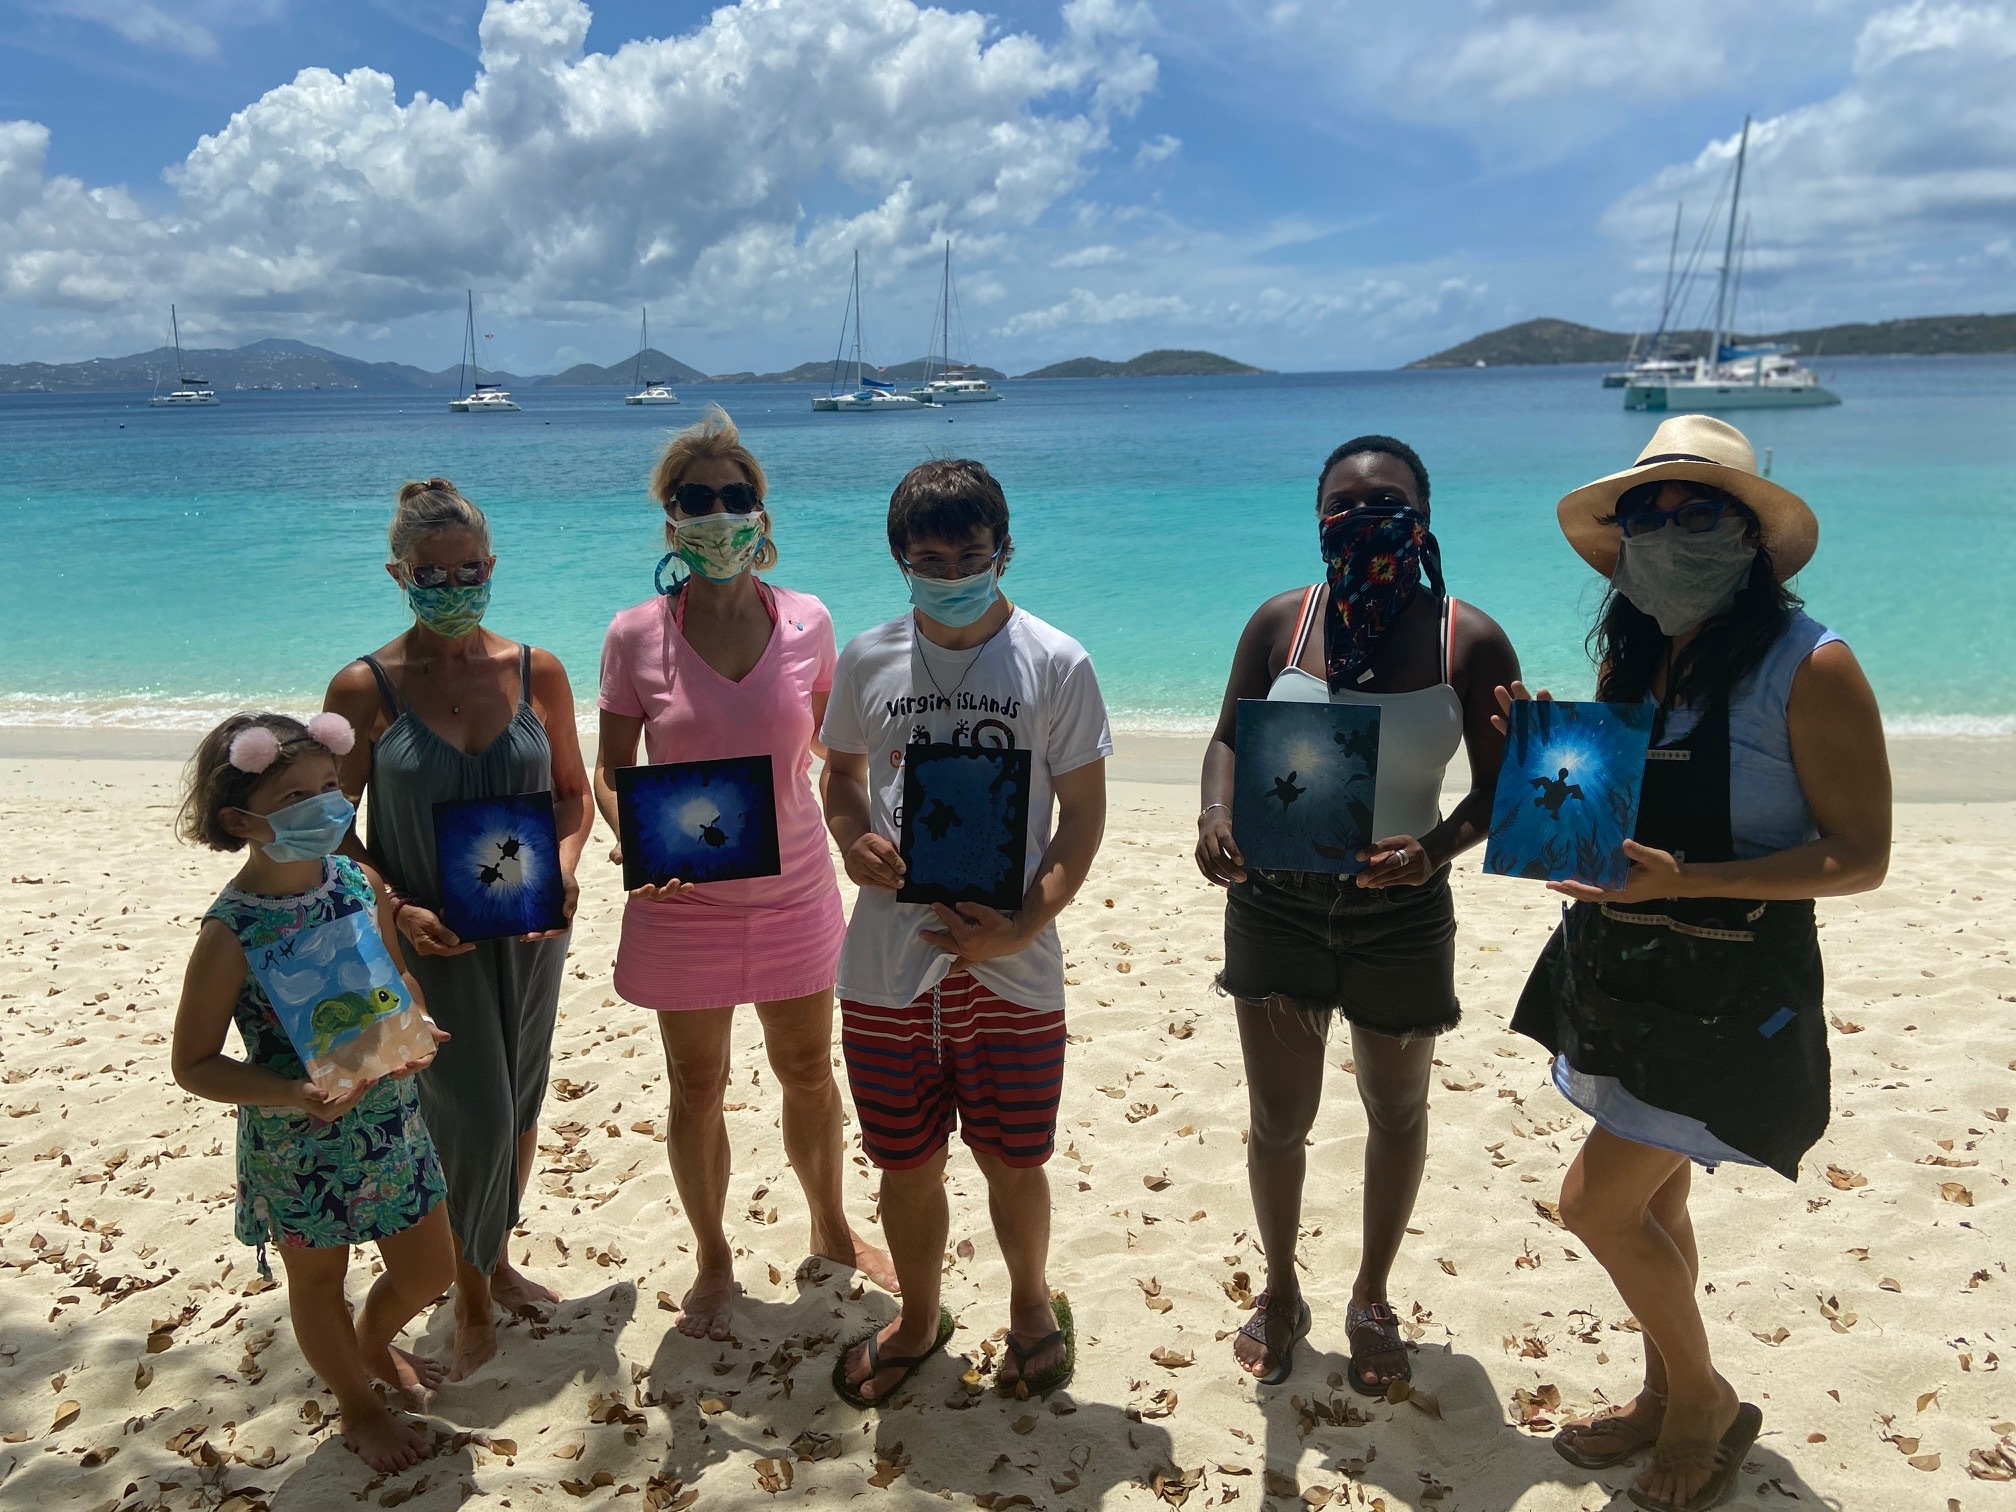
{"x": 1377, "y": 947}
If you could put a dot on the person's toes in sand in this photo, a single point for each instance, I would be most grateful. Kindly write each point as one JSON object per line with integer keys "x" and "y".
{"x": 385, "y": 1442}
{"x": 707, "y": 1310}
{"x": 856, "y": 1253}
{"x": 415, "y": 1377}
{"x": 513, "y": 1290}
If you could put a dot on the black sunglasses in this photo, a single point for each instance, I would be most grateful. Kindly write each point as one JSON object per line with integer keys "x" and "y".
{"x": 1638, "y": 511}
{"x": 699, "y": 499}
{"x": 468, "y": 575}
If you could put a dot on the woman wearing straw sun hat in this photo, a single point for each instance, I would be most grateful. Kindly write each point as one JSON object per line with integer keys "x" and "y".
{"x": 1684, "y": 1009}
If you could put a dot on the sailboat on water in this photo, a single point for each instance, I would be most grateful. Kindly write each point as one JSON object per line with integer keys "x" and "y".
{"x": 944, "y": 381}
{"x": 1729, "y": 377}
{"x": 482, "y": 398}
{"x": 189, "y": 391}
{"x": 655, "y": 390}
{"x": 1660, "y": 358}
{"x": 866, "y": 395}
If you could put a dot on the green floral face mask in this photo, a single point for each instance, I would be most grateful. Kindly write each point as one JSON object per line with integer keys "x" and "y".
{"x": 719, "y": 547}
{"x": 451, "y": 611}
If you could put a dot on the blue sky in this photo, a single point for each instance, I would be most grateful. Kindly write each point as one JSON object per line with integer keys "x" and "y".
{"x": 1300, "y": 183}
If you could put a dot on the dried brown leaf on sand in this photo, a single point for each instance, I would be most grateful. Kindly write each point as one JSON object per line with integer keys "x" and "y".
{"x": 1170, "y": 1359}
{"x": 1156, "y": 1182}
{"x": 1953, "y": 1192}
{"x": 1551, "y": 1211}
{"x": 1843, "y": 1179}
{"x": 66, "y": 1414}
{"x": 1399, "y": 1391}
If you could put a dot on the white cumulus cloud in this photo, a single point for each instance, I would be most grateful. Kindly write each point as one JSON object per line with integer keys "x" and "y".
{"x": 567, "y": 182}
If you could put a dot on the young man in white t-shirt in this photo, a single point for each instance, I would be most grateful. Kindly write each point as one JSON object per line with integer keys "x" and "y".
{"x": 956, "y": 1014}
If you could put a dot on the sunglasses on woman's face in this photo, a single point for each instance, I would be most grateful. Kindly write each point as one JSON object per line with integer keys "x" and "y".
{"x": 467, "y": 575}
{"x": 699, "y": 499}
{"x": 1698, "y": 516}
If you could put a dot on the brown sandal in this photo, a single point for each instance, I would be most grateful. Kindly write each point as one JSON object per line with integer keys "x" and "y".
{"x": 1726, "y": 1457}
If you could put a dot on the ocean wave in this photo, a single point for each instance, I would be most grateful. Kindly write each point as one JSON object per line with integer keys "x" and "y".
{"x": 196, "y": 712}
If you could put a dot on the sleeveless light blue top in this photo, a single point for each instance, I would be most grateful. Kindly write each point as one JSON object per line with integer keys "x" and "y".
{"x": 1767, "y": 807}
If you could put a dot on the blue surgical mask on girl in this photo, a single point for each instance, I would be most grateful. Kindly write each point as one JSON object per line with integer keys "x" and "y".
{"x": 956, "y": 602}
{"x": 451, "y": 610}
{"x": 310, "y": 829}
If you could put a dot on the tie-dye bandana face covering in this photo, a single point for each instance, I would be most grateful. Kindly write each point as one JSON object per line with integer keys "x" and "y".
{"x": 1375, "y": 556}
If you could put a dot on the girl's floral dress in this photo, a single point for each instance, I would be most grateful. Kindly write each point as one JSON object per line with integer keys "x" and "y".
{"x": 301, "y": 1182}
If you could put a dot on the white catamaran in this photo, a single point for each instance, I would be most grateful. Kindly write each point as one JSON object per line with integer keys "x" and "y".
{"x": 189, "y": 392}
{"x": 867, "y": 395}
{"x": 654, "y": 390}
{"x": 944, "y": 381}
{"x": 1732, "y": 377}
{"x": 482, "y": 398}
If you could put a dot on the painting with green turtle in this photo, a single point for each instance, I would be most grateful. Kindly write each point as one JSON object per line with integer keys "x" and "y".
{"x": 329, "y": 984}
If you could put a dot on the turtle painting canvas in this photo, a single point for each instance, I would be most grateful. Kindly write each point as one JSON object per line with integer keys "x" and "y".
{"x": 1568, "y": 792}
{"x": 698, "y": 821}
{"x": 964, "y": 829}
{"x": 342, "y": 1001}
{"x": 1302, "y": 790}
{"x": 499, "y": 864}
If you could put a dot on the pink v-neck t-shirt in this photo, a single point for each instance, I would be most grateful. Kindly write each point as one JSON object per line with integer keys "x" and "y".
{"x": 761, "y": 939}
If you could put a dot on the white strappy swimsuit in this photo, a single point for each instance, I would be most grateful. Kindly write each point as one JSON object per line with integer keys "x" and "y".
{"x": 1419, "y": 732}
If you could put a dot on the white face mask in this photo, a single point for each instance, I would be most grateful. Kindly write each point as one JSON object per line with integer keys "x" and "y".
{"x": 1681, "y": 579}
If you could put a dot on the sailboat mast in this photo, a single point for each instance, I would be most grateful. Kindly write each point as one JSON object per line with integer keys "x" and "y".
{"x": 643, "y": 337}
{"x": 857, "y": 318}
{"x": 1728, "y": 251}
{"x": 1672, "y": 258}
{"x": 175, "y": 326}
{"x": 468, "y": 336}
{"x": 945, "y": 315}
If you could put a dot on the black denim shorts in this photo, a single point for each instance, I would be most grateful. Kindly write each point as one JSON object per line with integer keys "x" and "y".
{"x": 1384, "y": 958}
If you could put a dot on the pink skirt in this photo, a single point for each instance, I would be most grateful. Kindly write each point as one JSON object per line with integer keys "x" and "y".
{"x": 683, "y": 954}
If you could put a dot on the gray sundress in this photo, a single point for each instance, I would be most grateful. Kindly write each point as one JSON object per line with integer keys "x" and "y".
{"x": 486, "y": 1085}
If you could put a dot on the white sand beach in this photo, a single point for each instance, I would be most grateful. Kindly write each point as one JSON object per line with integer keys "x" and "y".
{"x": 1866, "y": 1309}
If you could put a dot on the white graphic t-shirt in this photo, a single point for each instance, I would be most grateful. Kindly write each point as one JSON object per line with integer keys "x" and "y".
{"x": 1029, "y": 688}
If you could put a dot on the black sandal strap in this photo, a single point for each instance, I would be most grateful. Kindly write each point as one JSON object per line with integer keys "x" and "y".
{"x": 1023, "y": 1352}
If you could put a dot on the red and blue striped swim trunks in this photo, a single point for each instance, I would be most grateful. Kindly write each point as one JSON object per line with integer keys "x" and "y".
{"x": 958, "y": 1054}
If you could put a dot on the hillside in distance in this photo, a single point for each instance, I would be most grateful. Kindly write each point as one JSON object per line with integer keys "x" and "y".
{"x": 1164, "y": 362}
{"x": 1547, "y": 341}
{"x": 656, "y": 364}
{"x": 272, "y": 364}
{"x": 821, "y": 371}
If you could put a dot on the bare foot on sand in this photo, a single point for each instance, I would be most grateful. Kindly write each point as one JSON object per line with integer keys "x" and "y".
{"x": 707, "y": 1309}
{"x": 512, "y": 1289}
{"x": 475, "y": 1343}
{"x": 414, "y": 1376}
{"x": 856, "y": 1253}
{"x": 384, "y": 1442}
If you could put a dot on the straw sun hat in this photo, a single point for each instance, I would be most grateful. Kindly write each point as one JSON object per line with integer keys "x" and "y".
{"x": 1696, "y": 449}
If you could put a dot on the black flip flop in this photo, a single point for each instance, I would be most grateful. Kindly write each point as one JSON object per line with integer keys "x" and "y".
{"x": 1042, "y": 1384}
{"x": 878, "y": 1362}
{"x": 1385, "y": 1324}
{"x": 1728, "y": 1466}
{"x": 1255, "y": 1328}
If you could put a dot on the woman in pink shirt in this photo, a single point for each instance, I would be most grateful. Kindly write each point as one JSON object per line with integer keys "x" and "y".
{"x": 723, "y": 665}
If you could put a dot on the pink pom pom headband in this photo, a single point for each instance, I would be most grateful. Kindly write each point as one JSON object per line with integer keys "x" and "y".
{"x": 255, "y": 748}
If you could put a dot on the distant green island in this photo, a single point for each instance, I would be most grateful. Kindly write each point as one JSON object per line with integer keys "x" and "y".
{"x": 1164, "y": 362}
{"x": 1538, "y": 343}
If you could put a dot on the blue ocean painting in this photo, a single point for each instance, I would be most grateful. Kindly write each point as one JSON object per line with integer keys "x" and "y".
{"x": 1568, "y": 792}
{"x": 698, "y": 821}
{"x": 964, "y": 830}
{"x": 329, "y": 983}
{"x": 1303, "y": 787}
{"x": 499, "y": 864}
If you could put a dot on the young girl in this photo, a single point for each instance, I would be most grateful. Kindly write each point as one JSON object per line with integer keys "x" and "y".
{"x": 317, "y": 1172}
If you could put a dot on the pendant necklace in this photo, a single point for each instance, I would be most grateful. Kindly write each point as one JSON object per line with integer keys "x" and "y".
{"x": 970, "y": 665}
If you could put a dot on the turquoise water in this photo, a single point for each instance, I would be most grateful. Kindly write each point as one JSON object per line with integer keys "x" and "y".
{"x": 162, "y": 566}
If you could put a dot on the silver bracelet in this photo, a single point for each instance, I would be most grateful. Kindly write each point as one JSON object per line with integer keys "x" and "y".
{"x": 1207, "y": 809}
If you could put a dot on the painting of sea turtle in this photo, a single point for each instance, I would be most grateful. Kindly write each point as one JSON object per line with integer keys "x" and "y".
{"x": 499, "y": 864}
{"x": 969, "y": 839}
{"x": 335, "y": 1017}
{"x": 1568, "y": 792}
{"x": 1303, "y": 785}
{"x": 697, "y": 821}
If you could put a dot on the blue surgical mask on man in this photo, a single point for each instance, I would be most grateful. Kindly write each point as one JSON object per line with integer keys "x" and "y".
{"x": 310, "y": 829}
{"x": 956, "y": 602}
